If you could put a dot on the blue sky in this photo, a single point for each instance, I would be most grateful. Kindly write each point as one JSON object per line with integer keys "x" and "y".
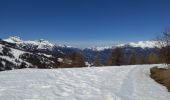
{"x": 84, "y": 22}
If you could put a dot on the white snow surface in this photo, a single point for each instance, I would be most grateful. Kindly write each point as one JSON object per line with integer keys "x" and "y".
{"x": 60, "y": 59}
{"x": 1, "y": 48}
{"x": 17, "y": 53}
{"x": 102, "y": 83}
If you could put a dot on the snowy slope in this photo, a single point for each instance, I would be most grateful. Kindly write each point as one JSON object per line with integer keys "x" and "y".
{"x": 14, "y": 57}
{"x": 107, "y": 83}
{"x": 11, "y": 55}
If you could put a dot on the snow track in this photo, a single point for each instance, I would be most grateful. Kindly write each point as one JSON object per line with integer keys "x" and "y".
{"x": 104, "y": 83}
{"x": 139, "y": 86}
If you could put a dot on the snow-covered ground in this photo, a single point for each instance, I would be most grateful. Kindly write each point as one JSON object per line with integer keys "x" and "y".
{"x": 102, "y": 83}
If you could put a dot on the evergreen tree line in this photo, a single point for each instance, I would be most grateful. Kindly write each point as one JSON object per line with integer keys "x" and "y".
{"x": 75, "y": 59}
{"x": 118, "y": 58}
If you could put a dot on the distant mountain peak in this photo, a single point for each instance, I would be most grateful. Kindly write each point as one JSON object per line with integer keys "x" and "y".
{"x": 100, "y": 48}
{"x": 142, "y": 44}
{"x": 41, "y": 44}
{"x": 41, "y": 40}
{"x": 13, "y": 39}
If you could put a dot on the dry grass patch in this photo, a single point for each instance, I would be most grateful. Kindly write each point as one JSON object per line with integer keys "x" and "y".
{"x": 161, "y": 75}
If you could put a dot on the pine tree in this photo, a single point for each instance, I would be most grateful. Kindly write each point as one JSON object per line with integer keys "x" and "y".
{"x": 165, "y": 55}
{"x": 116, "y": 57}
{"x": 141, "y": 60}
{"x": 97, "y": 60}
{"x": 132, "y": 59}
{"x": 153, "y": 59}
{"x": 77, "y": 60}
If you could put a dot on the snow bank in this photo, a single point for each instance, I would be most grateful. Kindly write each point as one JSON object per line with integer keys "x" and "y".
{"x": 107, "y": 83}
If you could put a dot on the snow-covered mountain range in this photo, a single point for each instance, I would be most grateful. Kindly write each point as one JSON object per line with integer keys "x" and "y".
{"x": 140, "y": 44}
{"x": 18, "y": 53}
{"x": 44, "y": 44}
{"x": 39, "y": 44}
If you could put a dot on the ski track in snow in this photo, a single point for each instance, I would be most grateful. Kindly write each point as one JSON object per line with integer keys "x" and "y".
{"x": 102, "y": 83}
